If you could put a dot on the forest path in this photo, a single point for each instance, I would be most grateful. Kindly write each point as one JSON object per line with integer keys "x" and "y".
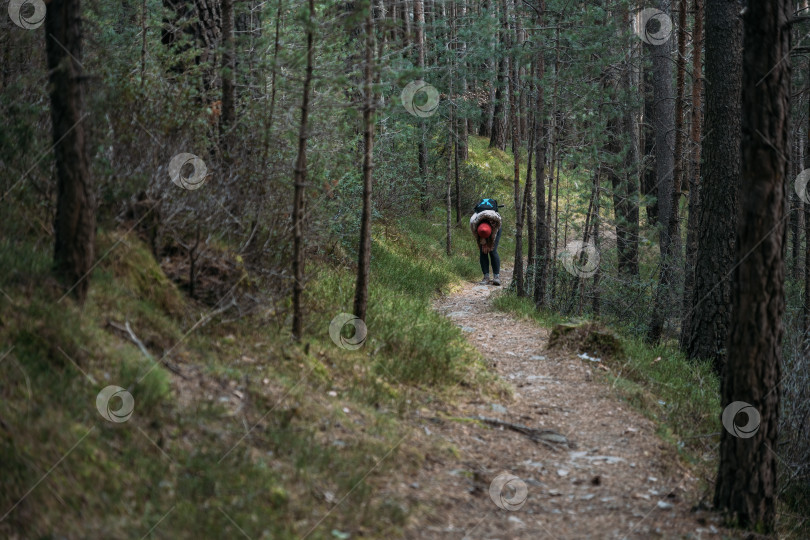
{"x": 618, "y": 480}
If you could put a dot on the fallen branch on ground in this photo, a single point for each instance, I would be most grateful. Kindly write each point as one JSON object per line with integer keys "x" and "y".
{"x": 548, "y": 437}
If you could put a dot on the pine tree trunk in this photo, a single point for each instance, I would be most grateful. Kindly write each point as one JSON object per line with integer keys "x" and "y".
{"x": 746, "y": 488}
{"x": 527, "y": 203}
{"x": 711, "y": 304}
{"x": 694, "y": 175}
{"x": 498, "y": 138}
{"x": 299, "y": 179}
{"x": 648, "y": 134}
{"x": 632, "y": 161}
{"x": 596, "y": 305}
{"x": 364, "y": 250}
{"x": 517, "y": 271}
{"x": 419, "y": 25}
{"x": 541, "y": 234}
{"x": 806, "y": 306}
{"x": 462, "y": 129}
{"x": 226, "y": 120}
{"x": 664, "y": 168}
{"x": 487, "y": 108}
{"x": 75, "y": 223}
{"x": 498, "y": 129}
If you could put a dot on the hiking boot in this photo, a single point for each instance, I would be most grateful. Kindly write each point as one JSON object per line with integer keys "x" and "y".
{"x": 485, "y": 281}
{"x": 496, "y": 280}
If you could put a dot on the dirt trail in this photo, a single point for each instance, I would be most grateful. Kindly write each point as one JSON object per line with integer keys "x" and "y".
{"x": 619, "y": 480}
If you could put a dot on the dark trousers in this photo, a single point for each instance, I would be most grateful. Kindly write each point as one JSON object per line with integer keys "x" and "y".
{"x": 484, "y": 258}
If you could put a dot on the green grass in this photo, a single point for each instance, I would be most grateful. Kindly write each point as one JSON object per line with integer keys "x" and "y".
{"x": 194, "y": 458}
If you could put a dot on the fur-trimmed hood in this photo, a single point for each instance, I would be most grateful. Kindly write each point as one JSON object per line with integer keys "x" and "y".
{"x": 490, "y": 216}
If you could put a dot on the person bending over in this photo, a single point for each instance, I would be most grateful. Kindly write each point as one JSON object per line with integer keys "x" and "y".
{"x": 485, "y": 225}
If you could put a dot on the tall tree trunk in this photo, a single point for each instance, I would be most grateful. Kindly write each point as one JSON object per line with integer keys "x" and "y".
{"x": 694, "y": 175}
{"x": 629, "y": 81}
{"x": 746, "y": 482}
{"x": 664, "y": 169}
{"x": 711, "y": 304}
{"x": 448, "y": 202}
{"x": 498, "y": 138}
{"x": 796, "y": 205}
{"x": 517, "y": 271}
{"x": 596, "y": 305}
{"x": 527, "y": 203}
{"x": 299, "y": 179}
{"x": 498, "y": 129}
{"x": 75, "y": 223}
{"x": 228, "y": 117}
{"x": 487, "y": 108}
{"x": 273, "y": 73}
{"x": 461, "y": 121}
{"x": 541, "y": 235}
{"x": 364, "y": 250}
{"x": 671, "y": 256}
{"x": 451, "y": 151}
{"x": 419, "y": 25}
{"x": 806, "y": 307}
{"x": 648, "y": 134}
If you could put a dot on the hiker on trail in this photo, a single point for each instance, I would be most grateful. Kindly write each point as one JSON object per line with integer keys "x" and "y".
{"x": 485, "y": 225}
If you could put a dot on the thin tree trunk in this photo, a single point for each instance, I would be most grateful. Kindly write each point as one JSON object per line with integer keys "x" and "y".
{"x": 541, "y": 235}
{"x": 517, "y": 271}
{"x": 632, "y": 160}
{"x": 806, "y": 307}
{"x": 419, "y": 24}
{"x": 498, "y": 138}
{"x": 487, "y": 108}
{"x": 461, "y": 133}
{"x": 299, "y": 179}
{"x": 75, "y": 223}
{"x": 269, "y": 124}
{"x": 364, "y": 250}
{"x": 527, "y": 203}
{"x": 597, "y": 276}
{"x": 452, "y": 150}
{"x": 226, "y": 120}
{"x": 648, "y": 134}
{"x": 694, "y": 176}
{"x": 143, "y": 43}
{"x": 746, "y": 489}
{"x": 448, "y": 199}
